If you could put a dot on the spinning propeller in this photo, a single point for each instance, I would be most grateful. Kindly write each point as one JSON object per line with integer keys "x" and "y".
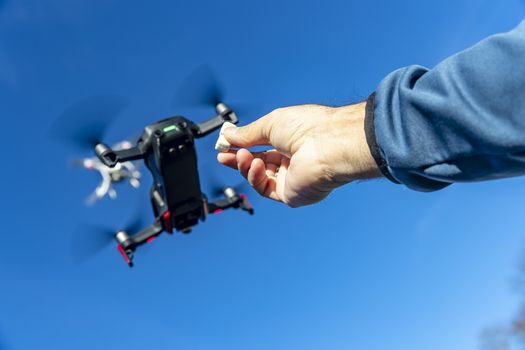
{"x": 202, "y": 88}
{"x": 84, "y": 123}
{"x": 88, "y": 240}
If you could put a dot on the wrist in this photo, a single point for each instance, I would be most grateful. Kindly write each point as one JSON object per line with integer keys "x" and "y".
{"x": 355, "y": 161}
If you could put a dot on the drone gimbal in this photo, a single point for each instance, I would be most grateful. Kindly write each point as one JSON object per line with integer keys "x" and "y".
{"x": 168, "y": 150}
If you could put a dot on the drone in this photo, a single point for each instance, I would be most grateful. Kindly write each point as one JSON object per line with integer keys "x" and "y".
{"x": 119, "y": 173}
{"x": 168, "y": 150}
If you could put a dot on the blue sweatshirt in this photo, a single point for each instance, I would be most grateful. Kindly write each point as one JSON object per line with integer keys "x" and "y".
{"x": 462, "y": 121}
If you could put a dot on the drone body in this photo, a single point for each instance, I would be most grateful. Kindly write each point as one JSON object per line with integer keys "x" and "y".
{"x": 168, "y": 150}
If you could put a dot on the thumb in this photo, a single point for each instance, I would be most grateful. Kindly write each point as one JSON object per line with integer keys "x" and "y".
{"x": 253, "y": 134}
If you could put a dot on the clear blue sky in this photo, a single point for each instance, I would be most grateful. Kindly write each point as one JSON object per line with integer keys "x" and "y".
{"x": 375, "y": 266}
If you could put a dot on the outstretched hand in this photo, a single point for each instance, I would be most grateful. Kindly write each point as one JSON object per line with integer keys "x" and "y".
{"x": 315, "y": 150}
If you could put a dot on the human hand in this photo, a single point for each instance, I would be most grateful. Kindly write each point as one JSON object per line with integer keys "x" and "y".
{"x": 315, "y": 150}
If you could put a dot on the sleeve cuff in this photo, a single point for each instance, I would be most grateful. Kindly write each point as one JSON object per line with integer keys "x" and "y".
{"x": 371, "y": 139}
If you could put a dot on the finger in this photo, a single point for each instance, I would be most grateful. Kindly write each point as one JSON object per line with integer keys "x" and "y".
{"x": 258, "y": 179}
{"x": 229, "y": 158}
{"x": 244, "y": 161}
{"x": 271, "y": 169}
{"x": 257, "y": 176}
{"x": 253, "y": 134}
{"x": 280, "y": 178}
{"x": 272, "y": 157}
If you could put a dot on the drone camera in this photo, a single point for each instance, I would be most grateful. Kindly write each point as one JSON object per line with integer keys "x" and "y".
{"x": 106, "y": 155}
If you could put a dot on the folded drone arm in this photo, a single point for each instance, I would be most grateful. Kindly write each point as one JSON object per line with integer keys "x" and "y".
{"x": 237, "y": 201}
{"x": 128, "y": 244}
{"x": 110, "y": 157}
{"x": 224, "y": 114}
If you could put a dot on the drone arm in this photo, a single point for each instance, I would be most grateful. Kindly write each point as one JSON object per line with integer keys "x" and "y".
{"x": 127, "y": 245}
{"x": 224, "y": 114}
{"x": 138, "y": 239}
{"x": 148, "y": 234}
{"x": 219, "y": 205}
{"x": 111, "y": 157}
{"x": 237, "y": 201}
{"x": 126, "y": 155}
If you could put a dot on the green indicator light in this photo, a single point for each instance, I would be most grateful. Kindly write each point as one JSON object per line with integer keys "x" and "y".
{"x": 170, "y": 128}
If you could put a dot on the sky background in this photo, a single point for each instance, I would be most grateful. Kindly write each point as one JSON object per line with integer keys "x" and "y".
{"x": 375, "y": 266}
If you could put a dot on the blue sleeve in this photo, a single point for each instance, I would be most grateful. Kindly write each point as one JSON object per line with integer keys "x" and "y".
{"x": 463, "y": 120}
